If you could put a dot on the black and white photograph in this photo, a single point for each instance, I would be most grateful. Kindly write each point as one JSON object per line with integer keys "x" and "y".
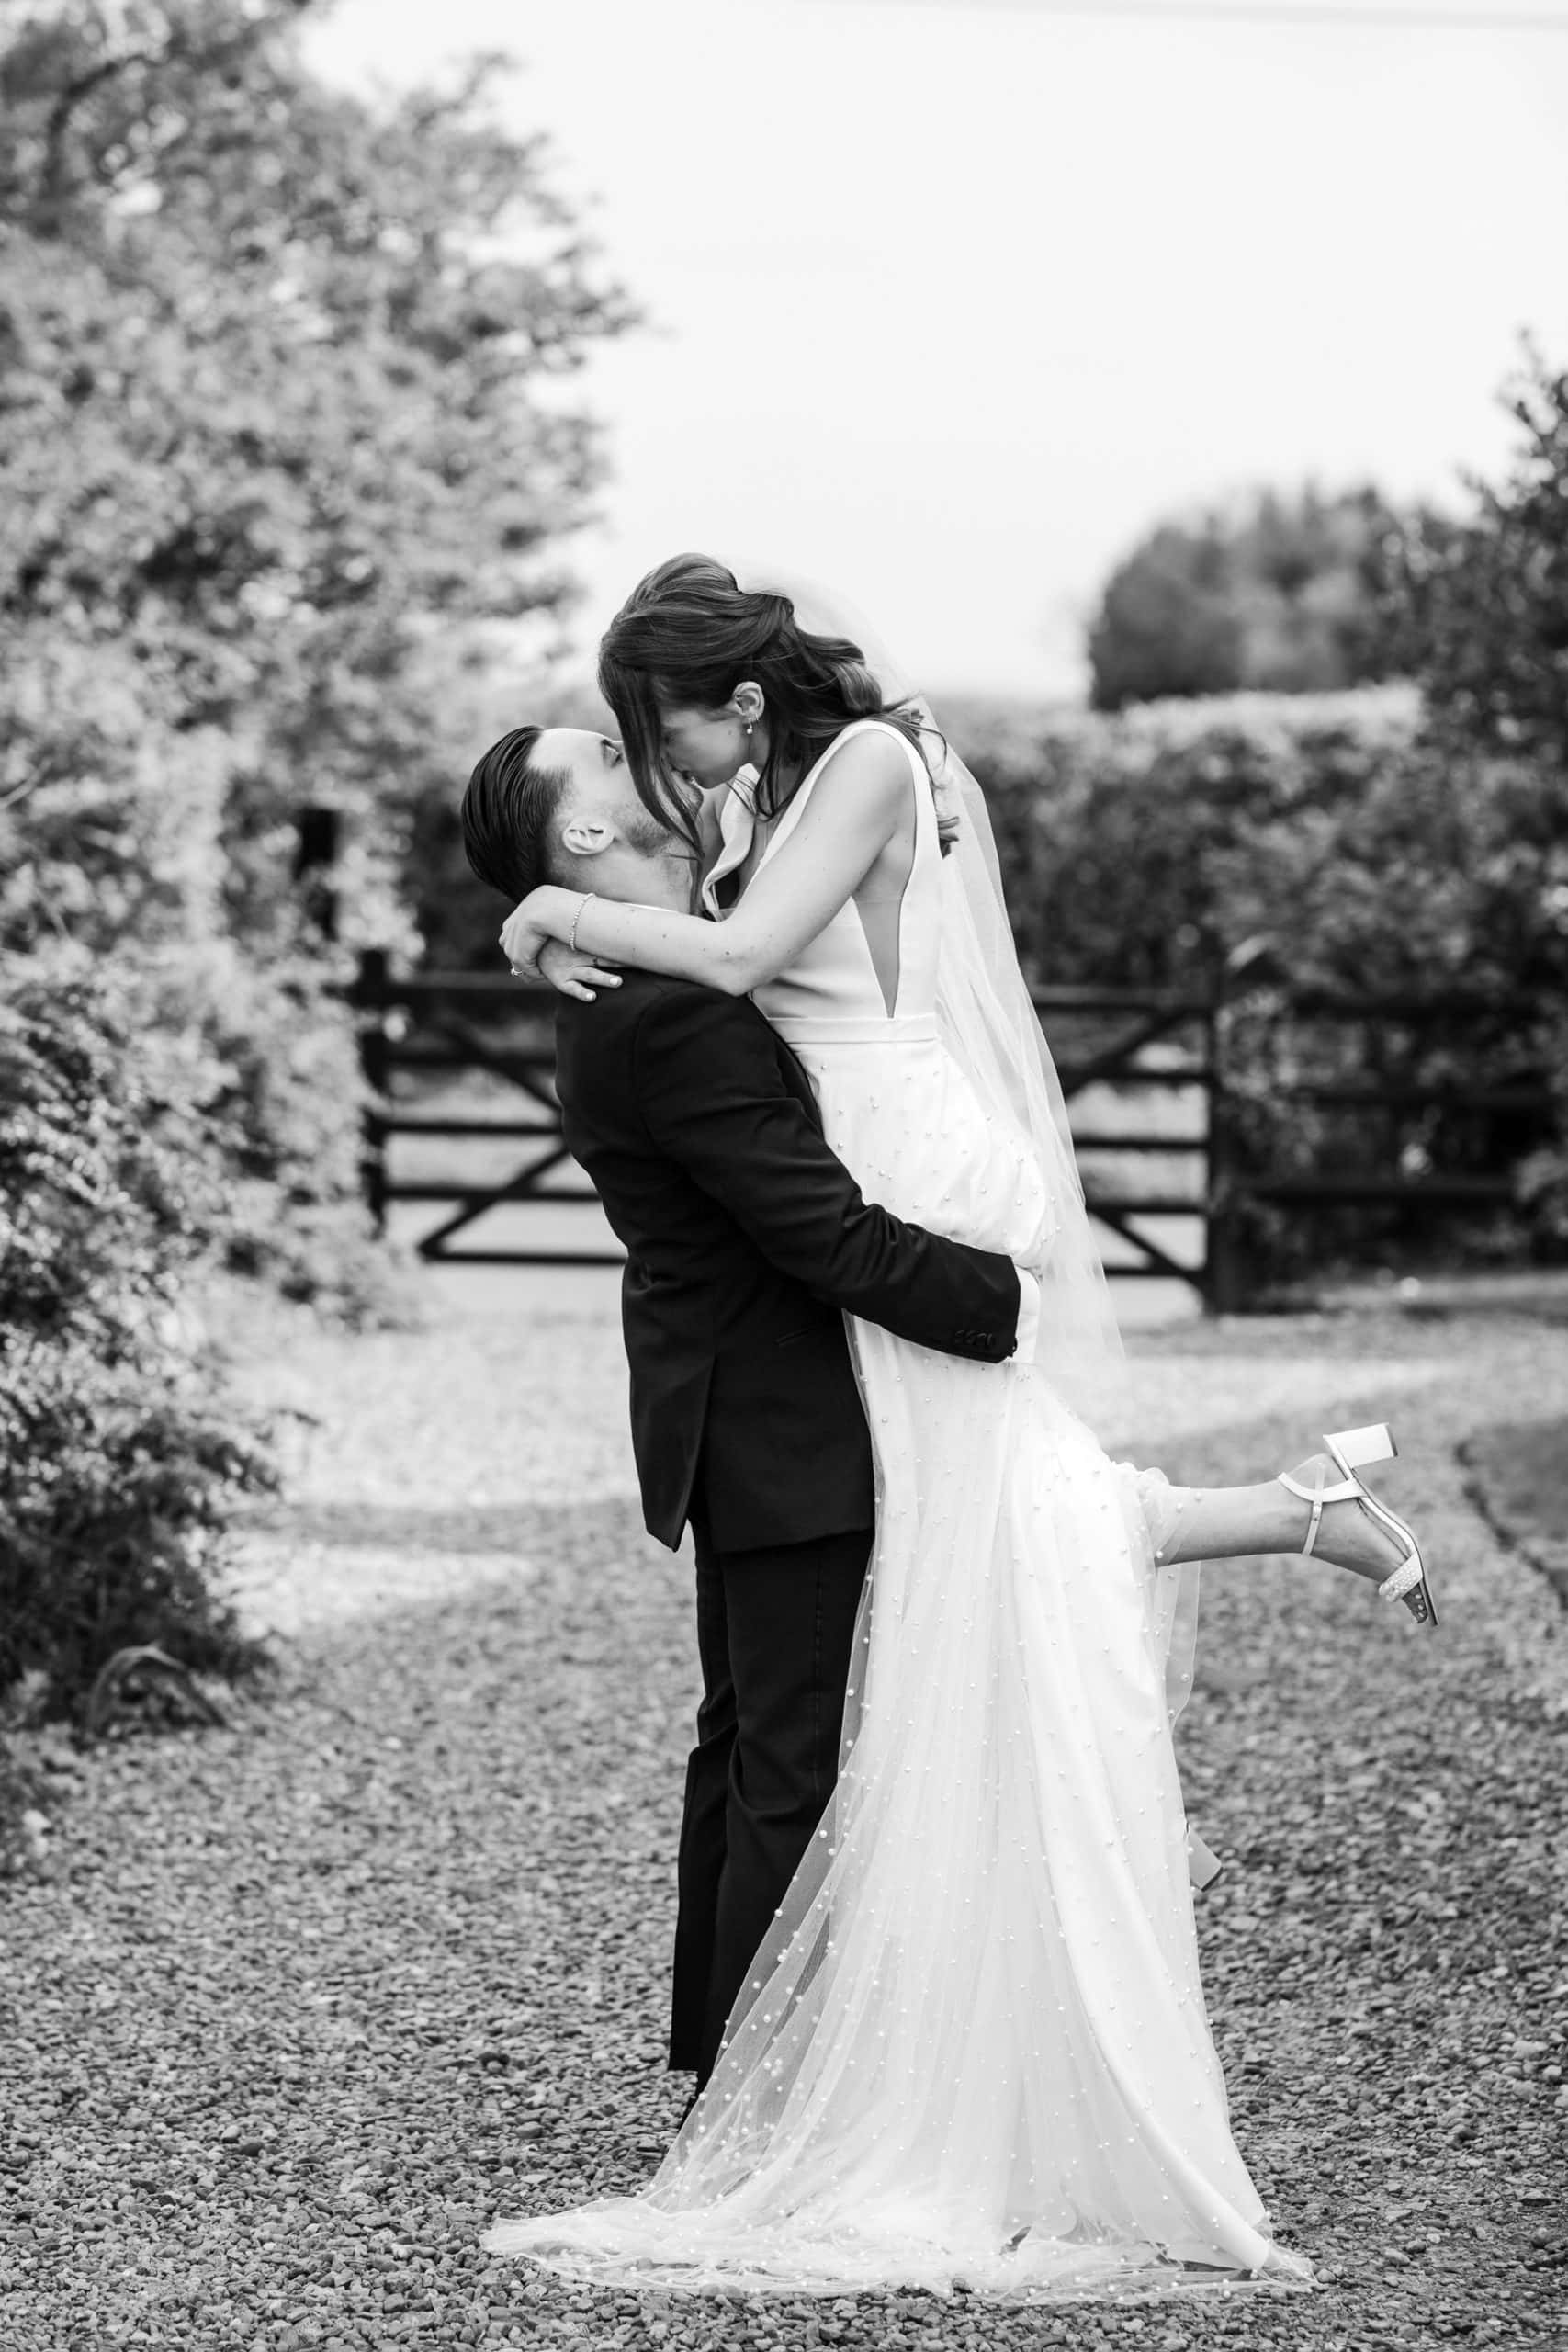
{"x": 783, "y": 1175}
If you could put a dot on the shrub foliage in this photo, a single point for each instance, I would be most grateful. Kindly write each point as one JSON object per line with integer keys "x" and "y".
{"x": 118, "y": 1469}
{"x": 1478, "y": 604}
{"x": 286, "y": 457}
{"x": 1334, "y": 844}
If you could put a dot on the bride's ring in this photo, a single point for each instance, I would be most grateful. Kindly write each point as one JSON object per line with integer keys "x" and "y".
{"x": 516, "y": 971}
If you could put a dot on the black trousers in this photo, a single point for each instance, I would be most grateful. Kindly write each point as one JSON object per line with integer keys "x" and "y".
{"x": 774, "y": 1632}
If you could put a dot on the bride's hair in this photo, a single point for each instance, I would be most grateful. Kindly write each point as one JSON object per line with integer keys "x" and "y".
{"x": 689, "y": 634}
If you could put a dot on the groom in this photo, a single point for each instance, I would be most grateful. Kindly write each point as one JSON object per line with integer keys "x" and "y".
{"x": 747, "y": 1242}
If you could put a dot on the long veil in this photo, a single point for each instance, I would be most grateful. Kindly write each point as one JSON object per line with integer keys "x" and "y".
{"x": 989, "y": 1026}
{"x": 986, "y": 1016}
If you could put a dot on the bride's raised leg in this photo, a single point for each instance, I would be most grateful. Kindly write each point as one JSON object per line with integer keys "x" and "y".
{"x": 1233, "y": 1522}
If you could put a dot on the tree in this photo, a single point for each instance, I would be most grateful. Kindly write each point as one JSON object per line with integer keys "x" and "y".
{"x": 1482, "y": 603}
{"x": 286, "y": 455}
{"x": 1481, "y": 608}
{"x": 283, "y": 445}
{"x": 1279, "y": 595}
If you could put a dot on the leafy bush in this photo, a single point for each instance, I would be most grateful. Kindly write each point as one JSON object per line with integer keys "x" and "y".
{"x": 111, "y": 834}
{"x": 1142, "y": 850}
{"x": 1347, "y": 850}
{"x": 121, "y": 1463}
{"x": 267, "y": 1053}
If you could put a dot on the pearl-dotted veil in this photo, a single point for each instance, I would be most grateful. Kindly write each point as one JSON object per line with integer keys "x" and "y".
{"x": 985, "y": 1011}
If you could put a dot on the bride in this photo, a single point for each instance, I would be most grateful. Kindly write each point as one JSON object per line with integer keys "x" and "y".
{"x": 973, "y": 2050}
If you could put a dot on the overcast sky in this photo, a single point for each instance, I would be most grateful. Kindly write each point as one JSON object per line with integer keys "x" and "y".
{"x": 953, "y": 299}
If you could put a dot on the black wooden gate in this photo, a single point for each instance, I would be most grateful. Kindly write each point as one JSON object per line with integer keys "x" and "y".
{"x": 418, "y": 1032}
{"x": 1118, "y": 1051}
{"x": 1145, "y": 1042}
{"x": 452, "y": 1023}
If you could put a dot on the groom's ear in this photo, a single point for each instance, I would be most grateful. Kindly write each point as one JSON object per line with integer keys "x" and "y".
{"x": 586, "y": 836}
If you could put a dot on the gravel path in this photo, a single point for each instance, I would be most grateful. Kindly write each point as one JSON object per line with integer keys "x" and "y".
{"x": 304, "y": 2002}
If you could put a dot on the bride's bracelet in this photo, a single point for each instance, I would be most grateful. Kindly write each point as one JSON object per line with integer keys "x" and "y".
{"x": 582, "y": 905}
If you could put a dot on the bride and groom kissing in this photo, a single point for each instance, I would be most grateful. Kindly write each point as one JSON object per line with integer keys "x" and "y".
{"x": 935, "y": 1969}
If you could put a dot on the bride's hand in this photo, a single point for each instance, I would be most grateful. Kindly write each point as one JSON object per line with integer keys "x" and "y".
{"x": 575, "y": 974}
{"x": 528, "y": 926}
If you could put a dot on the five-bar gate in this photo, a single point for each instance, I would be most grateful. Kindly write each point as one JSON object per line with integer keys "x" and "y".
{"x": 419, "y": 1032}
{"x": 1366, "y": 1101}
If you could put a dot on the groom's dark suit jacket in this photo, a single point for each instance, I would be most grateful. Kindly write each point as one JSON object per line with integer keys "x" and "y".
{"x": 745, "y": 1238}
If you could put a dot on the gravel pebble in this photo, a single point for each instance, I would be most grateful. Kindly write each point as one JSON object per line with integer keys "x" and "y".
{"x": 297, "y": 2006}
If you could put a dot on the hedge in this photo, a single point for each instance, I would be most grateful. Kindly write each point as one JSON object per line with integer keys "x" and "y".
{"x": 121, "y": 1461}
{"x": 1347, "y": 850}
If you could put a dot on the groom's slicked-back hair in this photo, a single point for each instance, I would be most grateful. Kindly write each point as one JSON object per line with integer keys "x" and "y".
{"x": 507, "y": 812}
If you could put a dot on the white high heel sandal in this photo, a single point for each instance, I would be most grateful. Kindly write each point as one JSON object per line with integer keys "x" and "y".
{"x": 1351, "y": 1450}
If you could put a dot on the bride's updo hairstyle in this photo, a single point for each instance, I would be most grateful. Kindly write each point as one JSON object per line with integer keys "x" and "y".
{"x": 686, "y": 637}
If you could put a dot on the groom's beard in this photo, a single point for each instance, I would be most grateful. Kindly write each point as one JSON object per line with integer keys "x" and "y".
{"x": 649, "y": 838}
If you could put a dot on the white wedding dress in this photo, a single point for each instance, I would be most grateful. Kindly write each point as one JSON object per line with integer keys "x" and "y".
{"x": 974, "y": 2050}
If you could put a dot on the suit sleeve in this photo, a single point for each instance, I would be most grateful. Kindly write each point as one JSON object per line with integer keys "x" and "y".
{"x": 711, "y": 1092}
